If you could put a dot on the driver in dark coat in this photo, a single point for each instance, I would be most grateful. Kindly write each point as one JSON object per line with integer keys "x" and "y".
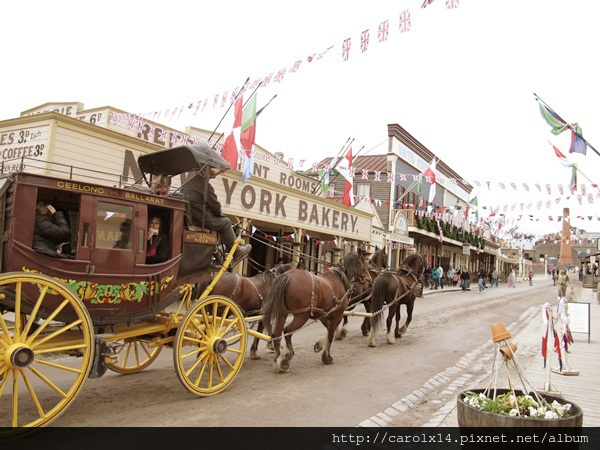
{"x": 206, "y": 212}
{"x": 51, "y": 230}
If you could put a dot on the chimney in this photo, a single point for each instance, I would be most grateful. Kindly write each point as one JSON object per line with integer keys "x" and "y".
{"x": 566, "y": 253}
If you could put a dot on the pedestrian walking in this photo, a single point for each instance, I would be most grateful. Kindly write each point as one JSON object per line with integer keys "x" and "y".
{"x": 530, "y": 276}
{"x": 451, "y": 273}
{"x": 495, "y": 277}
{"x": 481, "y": 284}
{"x": 511, "y": 278}
{"x": 435, "y": 278}
{"x": 464, "y": 280}
{"x": 562, "y": 281}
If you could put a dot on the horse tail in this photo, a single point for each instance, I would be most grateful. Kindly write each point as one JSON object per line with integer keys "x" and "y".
{"x": 273, "y": 305}
{"x": 380, "y": 286}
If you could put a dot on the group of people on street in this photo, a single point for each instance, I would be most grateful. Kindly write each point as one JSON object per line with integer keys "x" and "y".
{"x": 434, "y": 278}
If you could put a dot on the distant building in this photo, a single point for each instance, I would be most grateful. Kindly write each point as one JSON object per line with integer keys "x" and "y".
{"x": 442, "y": 231}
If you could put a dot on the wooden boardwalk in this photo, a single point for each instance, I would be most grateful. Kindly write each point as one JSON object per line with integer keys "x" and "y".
{"x": 582, "y": 389}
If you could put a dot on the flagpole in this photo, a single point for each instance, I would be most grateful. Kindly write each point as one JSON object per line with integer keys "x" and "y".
{"x": 268, "y": 103}
{"x": 584, "y": 175}
{"x": 571, "y": 128}
{"x": 353, "y": 158}
{"x": 224, "y": 115}
{"x": 247, "y": 100}
{"x": 407, "y": 191}
{"x": 337, "y": 156}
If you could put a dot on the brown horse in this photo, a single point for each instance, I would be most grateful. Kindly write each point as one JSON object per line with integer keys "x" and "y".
{"x": 395, "y": 289}
{"x": 248, "y": 292}
{"x": 308, "y": 296}
{"x": 362, "y": 294}
{"x": 379, "y": 260}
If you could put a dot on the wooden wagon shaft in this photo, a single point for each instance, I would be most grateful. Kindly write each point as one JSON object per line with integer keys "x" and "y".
{"x": 358, "y": 314}
{"x": 254, "y": 333}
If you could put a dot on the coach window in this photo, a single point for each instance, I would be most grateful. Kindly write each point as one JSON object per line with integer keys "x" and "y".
{"x": 113, "y": 226}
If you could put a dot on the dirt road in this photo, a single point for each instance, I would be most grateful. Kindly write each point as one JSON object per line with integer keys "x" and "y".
{"x": 362, "y": 382}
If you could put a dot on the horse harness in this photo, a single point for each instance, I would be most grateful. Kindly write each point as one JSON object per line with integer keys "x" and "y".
{"x": 318, "y": 313}
{"x": 237, "y": 285}
{"x": 399, "y": 279}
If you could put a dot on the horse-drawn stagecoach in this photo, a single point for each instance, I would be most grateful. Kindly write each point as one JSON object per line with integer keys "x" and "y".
{"x": 98, "y": 306}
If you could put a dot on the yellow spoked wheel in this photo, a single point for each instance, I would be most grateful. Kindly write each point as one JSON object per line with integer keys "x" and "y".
{"x": 134, "y": 355}
{"x": 210, "y": 345}
{"x": 43, "y": 362}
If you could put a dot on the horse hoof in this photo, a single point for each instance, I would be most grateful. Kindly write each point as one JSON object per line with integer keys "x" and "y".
{"x": 318, "y": 346}
{"x": 282, "y": 366}
{"x": 327, "y": 359}
{"x": 390, "y": 340}
{"x": 254, "y": 355}
{"x": 372, "y": 343}
{"x": 341, "y": 334}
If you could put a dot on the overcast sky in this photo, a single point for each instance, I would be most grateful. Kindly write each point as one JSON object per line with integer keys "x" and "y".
{"x": 461, "y": 81}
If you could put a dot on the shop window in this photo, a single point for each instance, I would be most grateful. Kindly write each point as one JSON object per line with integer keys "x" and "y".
{"x": 363, "y": 190}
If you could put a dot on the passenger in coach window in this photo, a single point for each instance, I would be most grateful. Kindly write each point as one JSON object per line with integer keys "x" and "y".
{"x": 157, "y": 250}
{"x": 51, "y": 230}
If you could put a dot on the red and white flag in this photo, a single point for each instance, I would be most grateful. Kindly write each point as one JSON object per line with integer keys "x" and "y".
{"x": 562, "y": 158}
{"x": 345, "y": 169}
{"x": 430, "y": 176}
{"x": 232, "y": 142}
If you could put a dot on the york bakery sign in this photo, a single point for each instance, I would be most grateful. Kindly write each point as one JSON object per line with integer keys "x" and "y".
{"x": 265, "y": 203}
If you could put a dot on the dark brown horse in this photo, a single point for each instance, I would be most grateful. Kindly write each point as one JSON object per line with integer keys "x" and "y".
{"x": 308, "y": 296}
{"x": 379, "y": 260}
{"x": 362, "y": 294}
{"x": 248, "y": 292}
{"x": 395, "y": 289}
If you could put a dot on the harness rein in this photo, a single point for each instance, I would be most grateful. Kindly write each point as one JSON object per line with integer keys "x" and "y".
{"x": 400, "y": 281}
{"x": 337, "y": 303}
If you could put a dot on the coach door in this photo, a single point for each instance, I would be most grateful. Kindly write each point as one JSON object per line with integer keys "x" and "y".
{"x": 106, "y": 231}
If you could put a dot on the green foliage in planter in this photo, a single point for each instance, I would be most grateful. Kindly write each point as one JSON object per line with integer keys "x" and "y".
{"x": 454, "y": 233}
{"x": 432, "y": 226}
{"x": 522, "y": 405}
{"x": 446, "y": 228}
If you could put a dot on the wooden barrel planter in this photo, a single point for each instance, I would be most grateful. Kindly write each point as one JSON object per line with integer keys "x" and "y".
{"x": 469, "y": 416}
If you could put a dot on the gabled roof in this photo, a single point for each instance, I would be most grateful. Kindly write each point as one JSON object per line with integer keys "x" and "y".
{"x": 366, "y": 162}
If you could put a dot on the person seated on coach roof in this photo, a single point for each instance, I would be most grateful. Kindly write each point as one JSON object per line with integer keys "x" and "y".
{"x": 206, "y": 212}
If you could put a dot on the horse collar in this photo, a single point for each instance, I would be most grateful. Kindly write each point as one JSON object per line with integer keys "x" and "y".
{"x": 343, "y": 276}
